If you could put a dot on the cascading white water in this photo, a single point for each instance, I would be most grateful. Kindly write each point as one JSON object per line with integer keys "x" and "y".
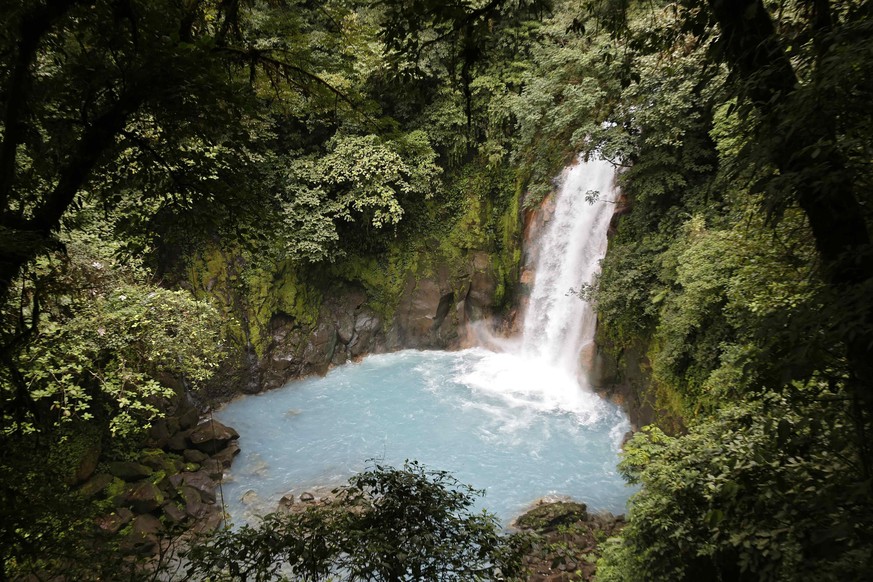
{"x": 542, "y": 371}
{"x": 558, "y": 325}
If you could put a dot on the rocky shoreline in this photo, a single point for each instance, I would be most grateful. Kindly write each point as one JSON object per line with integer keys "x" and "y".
{"x": 172, "y": 487}
{"x": 567, "y": 539}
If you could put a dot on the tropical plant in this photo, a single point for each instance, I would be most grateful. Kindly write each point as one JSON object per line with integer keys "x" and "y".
{"x": 387, "y": 524}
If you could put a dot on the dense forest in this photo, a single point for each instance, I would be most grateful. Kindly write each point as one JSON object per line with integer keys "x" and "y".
{"x": 181, "y": 180}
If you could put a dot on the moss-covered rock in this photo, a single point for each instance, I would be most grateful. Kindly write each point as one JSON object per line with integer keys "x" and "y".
{"x": 143, "y": 497}
{"x": 566, "y": 540}
{"x": 129, "y": 470}
{"x": 96, "y": 485}
{"x": 548, "y": 516}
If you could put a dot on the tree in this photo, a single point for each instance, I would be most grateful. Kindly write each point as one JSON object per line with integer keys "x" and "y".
{"x": 767, "y": 489}
{"x": 791, "y": 97}
{"x": 754, "y": 315}
{"x": 803, "y": 135}
{"x": 387, "y": 524}
{"x": 152, "y": 108}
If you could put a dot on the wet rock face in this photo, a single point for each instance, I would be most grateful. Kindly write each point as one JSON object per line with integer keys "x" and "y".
{"x": 432, "y": 312}
{"x": 415, "y": 322}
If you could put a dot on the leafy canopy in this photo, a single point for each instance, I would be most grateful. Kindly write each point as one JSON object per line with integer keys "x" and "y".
{"x": 387, "y": 524}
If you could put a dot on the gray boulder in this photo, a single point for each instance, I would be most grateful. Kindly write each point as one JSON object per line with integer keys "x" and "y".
{"x": 226, "y": 456}
{"x": 203, "y": 483}
{"x": 194, "y": 456}
{"x": 212, "y": 436}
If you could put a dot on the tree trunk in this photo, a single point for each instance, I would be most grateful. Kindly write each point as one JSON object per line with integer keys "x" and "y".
{"x": 830, "y": 202}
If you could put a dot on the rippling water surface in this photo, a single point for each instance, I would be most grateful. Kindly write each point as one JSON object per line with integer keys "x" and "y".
{"x": 516, "y": 427}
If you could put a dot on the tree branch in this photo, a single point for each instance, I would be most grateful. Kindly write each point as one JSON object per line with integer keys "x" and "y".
{"x": 93, "y": 143}
{"x": 34, "y": 27}
{"x": 253, "y": 56}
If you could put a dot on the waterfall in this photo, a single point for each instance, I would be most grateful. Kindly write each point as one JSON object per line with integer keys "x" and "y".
{"x": 542, "y": 371}
{"x": 559, "y": 325}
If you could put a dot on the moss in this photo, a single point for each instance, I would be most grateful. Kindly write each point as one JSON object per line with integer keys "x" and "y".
{"x": 282, "y": 290}
{"x": 548, "y": 516}
{"x": 248, "y": 293}
{"x": 383, "y": 276}
{"x": 479, "y": 212}
{"x": 115, "y": 490}
{"x": 209, "y": 276}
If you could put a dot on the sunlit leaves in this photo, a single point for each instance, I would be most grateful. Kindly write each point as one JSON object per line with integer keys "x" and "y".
{"x": 362, "y": 179}
{"x": 104, "y": 341}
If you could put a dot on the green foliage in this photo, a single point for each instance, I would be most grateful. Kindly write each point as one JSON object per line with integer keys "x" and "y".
{"x": 565, "y": 97}
{"x": 719, "y": 308}
{"x": 100, "y": 341}
{"x": 360, "y": 175}
{"x": 90, "y": 349}
{"x": 770, "y": 489}
{"x": 386, "y": 524}
{"x": 628, "y": 291}
{"x": 739, "y": 190}
{"x": 116, "y": 345}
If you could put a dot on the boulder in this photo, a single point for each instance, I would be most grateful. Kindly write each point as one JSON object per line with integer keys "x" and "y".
{"x": 143, "y": 497}
{"x": 96, "y": 484}
{"x": 194, "y": 456}
{"x": 203, "y": 483}
{"x": 179, "y": 441}
{"x": 212, "y": 436}
{"x": 113, "y": 522}
{"x": 146, "y": 524}
{"x": 286, "y": 503}
{"x": 226, "y": 456}
{"x": 129, "y": 471}
{"x": 87, "y": 463}
{"x": 176, "y": 480}
{"x": 189, "y": 418}
{"x": 194, "y": 505}
{"x": 143, "y": 538}
{"x": 249, "y": 497}
{"x": 214, "y": 468}
{"x": 174, "y": 514}
{"x": 209, "y": 521}
{"x": 307, "y": 497}
{"x": 159, "y": 434}
{"x": 548, "y": 516}
{"x": 158, "y": 460}
{"x": 173, "y": 425}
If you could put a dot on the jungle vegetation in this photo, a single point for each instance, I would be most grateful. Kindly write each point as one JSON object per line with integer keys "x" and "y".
{"x": 137, "y": 133}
